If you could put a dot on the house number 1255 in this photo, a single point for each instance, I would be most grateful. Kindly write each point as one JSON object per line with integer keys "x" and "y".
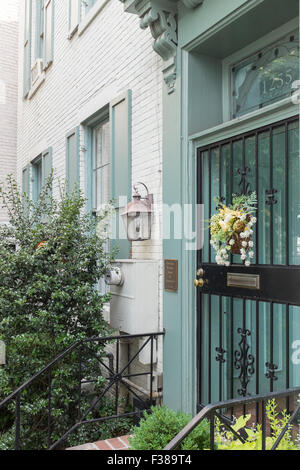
{"x": 281, "y": 80}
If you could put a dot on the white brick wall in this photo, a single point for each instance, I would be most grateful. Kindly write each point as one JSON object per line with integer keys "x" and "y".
{"x": 8, "y": 89}
{"x": 112, "y": 55}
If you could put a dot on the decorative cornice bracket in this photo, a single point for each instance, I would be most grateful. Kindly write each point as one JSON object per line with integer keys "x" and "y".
{"x": 161, "y": 17}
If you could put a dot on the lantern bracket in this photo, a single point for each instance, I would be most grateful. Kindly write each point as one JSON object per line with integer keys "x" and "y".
{"x": 148, "y": 198}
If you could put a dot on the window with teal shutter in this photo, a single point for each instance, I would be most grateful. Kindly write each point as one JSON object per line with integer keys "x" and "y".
{"x": 72, "y": 159}
{"x": 108, "y": 164}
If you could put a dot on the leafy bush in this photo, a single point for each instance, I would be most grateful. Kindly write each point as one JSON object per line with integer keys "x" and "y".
{"x": 157, "y": 429}
{"x": 48, "y": 301}
{"x": 277, "y": 421}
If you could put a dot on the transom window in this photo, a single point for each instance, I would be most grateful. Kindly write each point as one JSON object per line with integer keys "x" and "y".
{"x": 101, "y": 165}
{"x": 265, "y": 77}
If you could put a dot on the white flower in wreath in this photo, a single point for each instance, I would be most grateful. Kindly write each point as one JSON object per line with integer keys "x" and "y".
{"x": 243, "y": 217}
{"x": 253, "y": 220}
{"x": 243, "y": 235}
{"x": 251, "y": 254}
{"x": 251, "y": 244}
{"x": 232, "y": 242}
{"x": 247, "y": 263}
{"x": 228, "y": 218}
{"x": 244, "y": 243}
{"x": 243, "y": 257}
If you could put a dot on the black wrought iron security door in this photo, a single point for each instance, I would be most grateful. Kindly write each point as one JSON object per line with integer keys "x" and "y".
{"x": 249, "y": 337}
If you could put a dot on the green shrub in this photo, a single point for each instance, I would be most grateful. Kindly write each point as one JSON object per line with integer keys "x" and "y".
{"x": 157, "y": 429}
{"x": 48, "y": 301}
{"x": 277, "y": 421}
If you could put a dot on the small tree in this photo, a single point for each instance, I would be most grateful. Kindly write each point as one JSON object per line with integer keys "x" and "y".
{"x": 51, "y": 258}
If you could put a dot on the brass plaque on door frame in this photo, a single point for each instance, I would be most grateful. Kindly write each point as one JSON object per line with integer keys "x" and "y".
{"x": 171, "y": 275}
{"x": 245, "y": 281}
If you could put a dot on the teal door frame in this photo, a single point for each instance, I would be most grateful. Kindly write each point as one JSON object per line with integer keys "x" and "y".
{"x": 179, "y": 186}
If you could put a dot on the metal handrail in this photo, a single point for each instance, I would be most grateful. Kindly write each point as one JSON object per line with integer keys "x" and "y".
{"x": 211, "y": 411}
{"x": 115, "y": 378}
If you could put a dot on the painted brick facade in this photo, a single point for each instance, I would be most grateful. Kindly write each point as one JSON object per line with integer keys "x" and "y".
{"x": 96, "y": 65}
{"x": 8, "y": 90}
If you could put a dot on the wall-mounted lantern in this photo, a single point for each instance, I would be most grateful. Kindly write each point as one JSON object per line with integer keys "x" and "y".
{"x": 137, "y": 217}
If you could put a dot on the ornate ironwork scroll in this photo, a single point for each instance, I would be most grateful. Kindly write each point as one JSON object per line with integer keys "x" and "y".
{"x": 244, "y": 362}
{"x": 244, "y": 185}
{"x": 271, "y": 196}
{"x": 271, "y": 370}
{"x": 220, "y": 356}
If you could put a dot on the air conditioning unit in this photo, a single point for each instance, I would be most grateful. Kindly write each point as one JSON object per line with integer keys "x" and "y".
{"x": 134, "y": 301}
{"x": 36, "y": 71}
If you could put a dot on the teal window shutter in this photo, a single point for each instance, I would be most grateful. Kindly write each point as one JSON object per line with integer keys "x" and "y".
{"x": 48, "y": 32}
{"x": 72, "y": 159}
{"x": 26, "y": 180}
{"x": 27, "y": 47}
{"x": 39, "y": 29}
{"x": 46, "y": 164}
{"x": 120, "y": 119}
{"x": 37, "y": 177}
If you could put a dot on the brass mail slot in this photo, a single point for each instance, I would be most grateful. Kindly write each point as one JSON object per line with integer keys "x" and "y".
{"x": 246, "y": 281}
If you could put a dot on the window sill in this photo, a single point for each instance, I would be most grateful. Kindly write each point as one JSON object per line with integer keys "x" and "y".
{"x": 91, "y": 15}
{"x": 36, "y": 86}
{"x": 72, "y": 32}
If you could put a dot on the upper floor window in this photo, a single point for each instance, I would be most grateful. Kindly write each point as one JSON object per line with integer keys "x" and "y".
{"x": 38, "y": 41}
{"x": 265, "y": 77}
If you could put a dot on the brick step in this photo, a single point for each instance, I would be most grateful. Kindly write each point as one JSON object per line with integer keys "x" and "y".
{"x": 117, "y": 443}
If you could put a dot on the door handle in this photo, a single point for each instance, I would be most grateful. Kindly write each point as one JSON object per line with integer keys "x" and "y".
{"x": 200, "y": 281}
